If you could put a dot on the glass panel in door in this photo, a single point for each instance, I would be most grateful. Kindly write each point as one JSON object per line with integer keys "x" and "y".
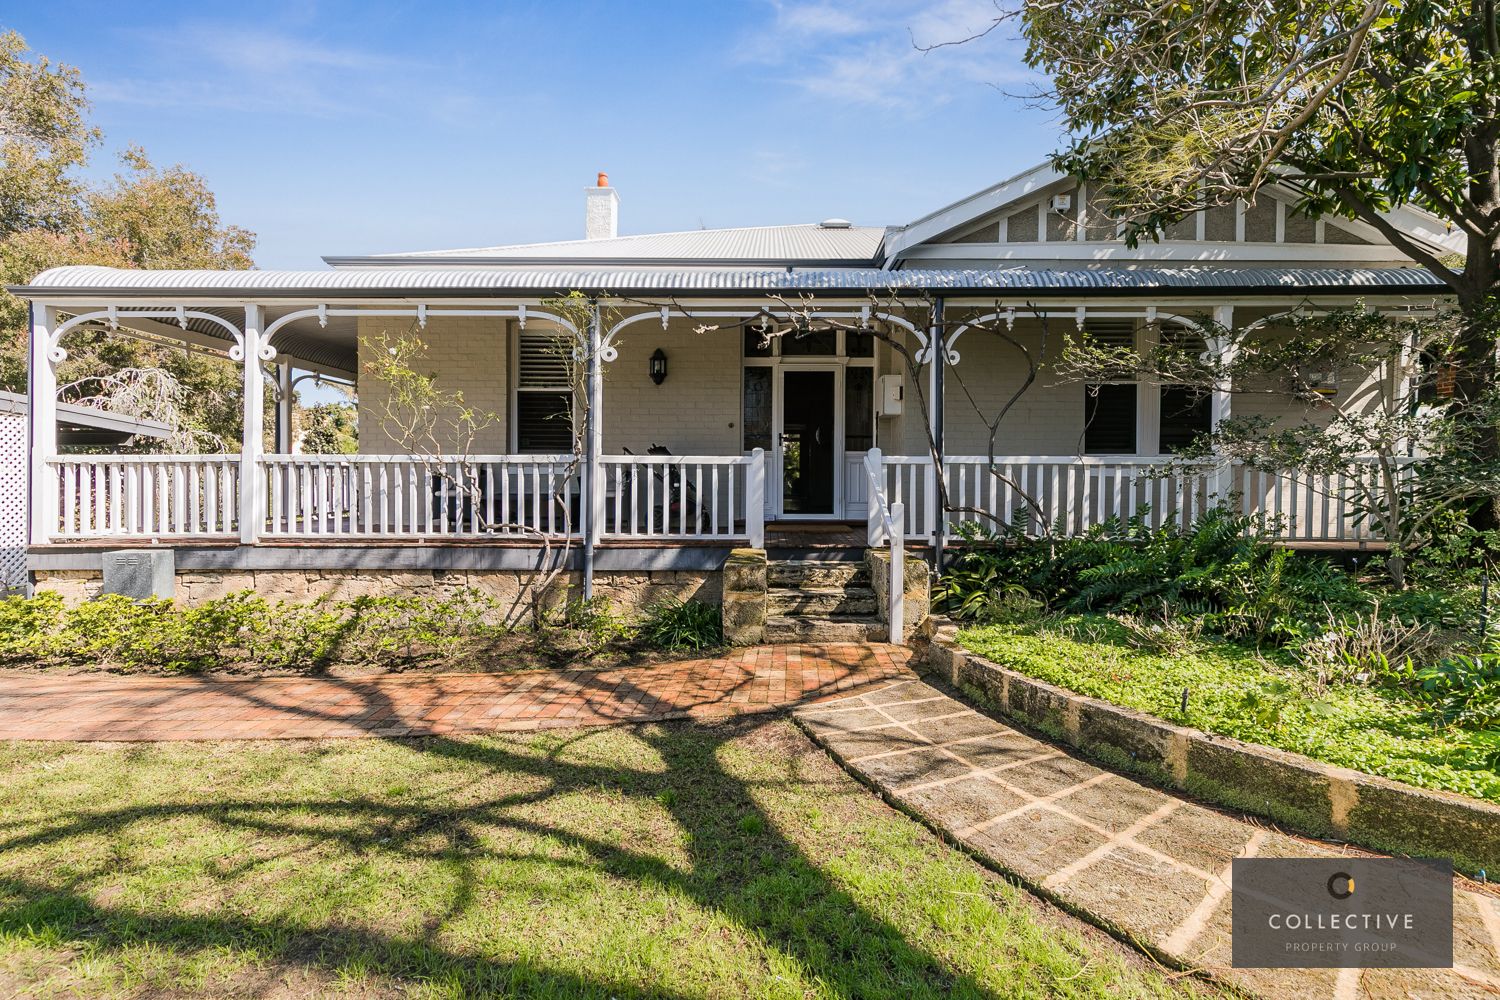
{"x": 807, "y": 444}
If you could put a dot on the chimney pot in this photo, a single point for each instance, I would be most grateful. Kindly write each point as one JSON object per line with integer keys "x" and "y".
{"x": 603, "y": 179}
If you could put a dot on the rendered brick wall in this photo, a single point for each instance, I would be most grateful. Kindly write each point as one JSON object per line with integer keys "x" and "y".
{"x": 696, "y": 411}
{"x": 466, "y": 354}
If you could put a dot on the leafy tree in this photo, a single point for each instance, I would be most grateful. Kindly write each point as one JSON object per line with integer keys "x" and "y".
{"x": 329, "y": 429}
{"x": 1359, "y": 105}
{"x": 147, "y": 216}
{"x": 44, "y": 136}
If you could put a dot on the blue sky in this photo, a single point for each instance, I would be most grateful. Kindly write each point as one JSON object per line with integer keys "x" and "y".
{"x": 334, "y": 128}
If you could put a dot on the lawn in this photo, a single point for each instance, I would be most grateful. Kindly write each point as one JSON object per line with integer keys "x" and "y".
{"x": 1236, "y": 691}
{"x": 673, "y": 861}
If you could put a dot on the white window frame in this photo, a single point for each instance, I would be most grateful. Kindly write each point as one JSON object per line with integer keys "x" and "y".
{"x": 514, "y": 347}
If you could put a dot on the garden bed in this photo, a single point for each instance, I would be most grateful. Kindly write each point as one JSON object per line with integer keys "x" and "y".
{"x": 245, "y": 635}
{"x": 1257, "y": 697}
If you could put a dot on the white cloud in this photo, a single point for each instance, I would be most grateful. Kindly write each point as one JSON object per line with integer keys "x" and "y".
{"x": 253, "y": 69}
{"x": 878, "y": 51}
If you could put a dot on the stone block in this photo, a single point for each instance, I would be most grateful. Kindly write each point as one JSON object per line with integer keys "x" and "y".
{"x": 744, "y": 600}
{"x": 1280, "y": 785}
{"x": 1145, "y": 740}
{"x": 1419, "y": 820}
{"x": 197, "y": 588}
{"x": 918, "y": 602}
{"x": 72, "y": 585}
{"x": 140, "y": 573}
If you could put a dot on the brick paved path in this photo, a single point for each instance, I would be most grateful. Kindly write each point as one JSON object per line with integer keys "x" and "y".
{"x": 1138, "y": 859}
{"x": 99, "y": 707}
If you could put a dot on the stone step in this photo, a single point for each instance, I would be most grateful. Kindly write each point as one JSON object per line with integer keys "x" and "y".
{"x": 817, "y": 574}
{"x": 809, "y": 630}
{"x": 820, "y": 602}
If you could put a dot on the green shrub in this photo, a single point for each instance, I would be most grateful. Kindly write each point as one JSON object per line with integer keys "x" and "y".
{"x": 595, "y": 621}
{"x": 1464, "y": 691}
{"x": 682, "y": 625}
{"x": 158, "y": 634}
{"x": 30, "y": 627}
{"x": 1222, "y": 569}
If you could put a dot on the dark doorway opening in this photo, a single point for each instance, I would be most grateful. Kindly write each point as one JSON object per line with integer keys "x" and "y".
{"x": 807, "y": 444}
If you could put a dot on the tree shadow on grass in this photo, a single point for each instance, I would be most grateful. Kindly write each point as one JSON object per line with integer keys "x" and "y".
{"x": 741, "y": 868}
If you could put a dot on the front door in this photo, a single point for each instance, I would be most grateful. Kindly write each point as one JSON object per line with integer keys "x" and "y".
{"x": 809, "y": 443}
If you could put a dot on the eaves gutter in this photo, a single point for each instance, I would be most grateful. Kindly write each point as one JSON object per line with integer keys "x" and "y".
{"x": 106, "y": 293}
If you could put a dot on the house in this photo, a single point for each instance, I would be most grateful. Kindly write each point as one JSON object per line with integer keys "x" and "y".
{"x": 77, "y": 427}
{"x": 717, "y": 382}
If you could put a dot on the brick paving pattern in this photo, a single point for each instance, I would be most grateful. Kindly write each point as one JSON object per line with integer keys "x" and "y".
{"x": 1152, "y": 865}
{"x": 759, "y": 679}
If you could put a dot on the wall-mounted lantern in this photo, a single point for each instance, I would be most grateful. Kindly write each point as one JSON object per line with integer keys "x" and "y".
{"x": 658, "y": 367}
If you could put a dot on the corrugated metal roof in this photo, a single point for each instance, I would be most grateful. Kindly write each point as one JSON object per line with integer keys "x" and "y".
{"x": 758, "y": 244}
{"x": 87, "y": 280}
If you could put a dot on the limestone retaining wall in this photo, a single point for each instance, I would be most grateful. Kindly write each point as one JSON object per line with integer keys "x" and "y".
{"x": 630, "y": 591}
{"x": 1305, "y": 794}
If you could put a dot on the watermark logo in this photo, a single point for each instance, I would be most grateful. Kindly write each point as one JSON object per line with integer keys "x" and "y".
{"x": 1340, "y": 913}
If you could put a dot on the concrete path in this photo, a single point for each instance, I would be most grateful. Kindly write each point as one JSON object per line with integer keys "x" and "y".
{"x": 107, "y": 707}
{"x": 1152, "y": 866}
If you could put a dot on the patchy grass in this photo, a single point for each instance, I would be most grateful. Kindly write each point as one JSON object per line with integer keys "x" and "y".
{"x": 1235, "y": 691}
{"x": 670, "y": 861}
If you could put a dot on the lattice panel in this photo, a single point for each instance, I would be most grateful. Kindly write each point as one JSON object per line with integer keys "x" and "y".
{"x": 12, "y": 501}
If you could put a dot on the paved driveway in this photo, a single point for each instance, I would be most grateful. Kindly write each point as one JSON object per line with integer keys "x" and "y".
{"x": 108, "y": 707}
{"x": 1150, "y": 864}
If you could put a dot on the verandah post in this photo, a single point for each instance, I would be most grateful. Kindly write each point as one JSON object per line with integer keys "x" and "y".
{"x": 283, "y": 408}
{"x": 1226, "y": 346}
{"x": 755, "y": 499}
{"x": 252, "y": 493}
{"x": 43, "y": 444}
{"x": 593, "y": 478}
{"x": 937, "y": 356}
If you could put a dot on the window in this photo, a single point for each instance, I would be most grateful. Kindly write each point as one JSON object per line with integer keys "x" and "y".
{"x": 757, "y": 343}
{"x": 1109, "y": 408}
{"x": 1109, "y": 418}
{"x": 859, "y": 345}
{"x": 1184, "y": 417}
{"x": 756, "y": 418}
{"x": 859, "y": 409}
{"x": 1185, "y": 411}
{"x": 809, "y": 343}
{"x": 544, "y": 393}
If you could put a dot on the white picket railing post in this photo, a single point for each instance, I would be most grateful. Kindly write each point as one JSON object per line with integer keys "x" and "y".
{"x": 252, "y": 490}
{"x": 896, "y": 616}
{"x": 755, "y": 499}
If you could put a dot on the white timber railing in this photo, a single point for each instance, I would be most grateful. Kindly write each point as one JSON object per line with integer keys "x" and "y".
{"x": 1309, "y": 508}
{"x": 145, "y": 496}
{"x": 1073, "y": 494}
{"x": 884, "y": 522}
{"x": 684, "y": 497}
{"x": 710, "y": 498}
{"x": 364, "y": 496}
